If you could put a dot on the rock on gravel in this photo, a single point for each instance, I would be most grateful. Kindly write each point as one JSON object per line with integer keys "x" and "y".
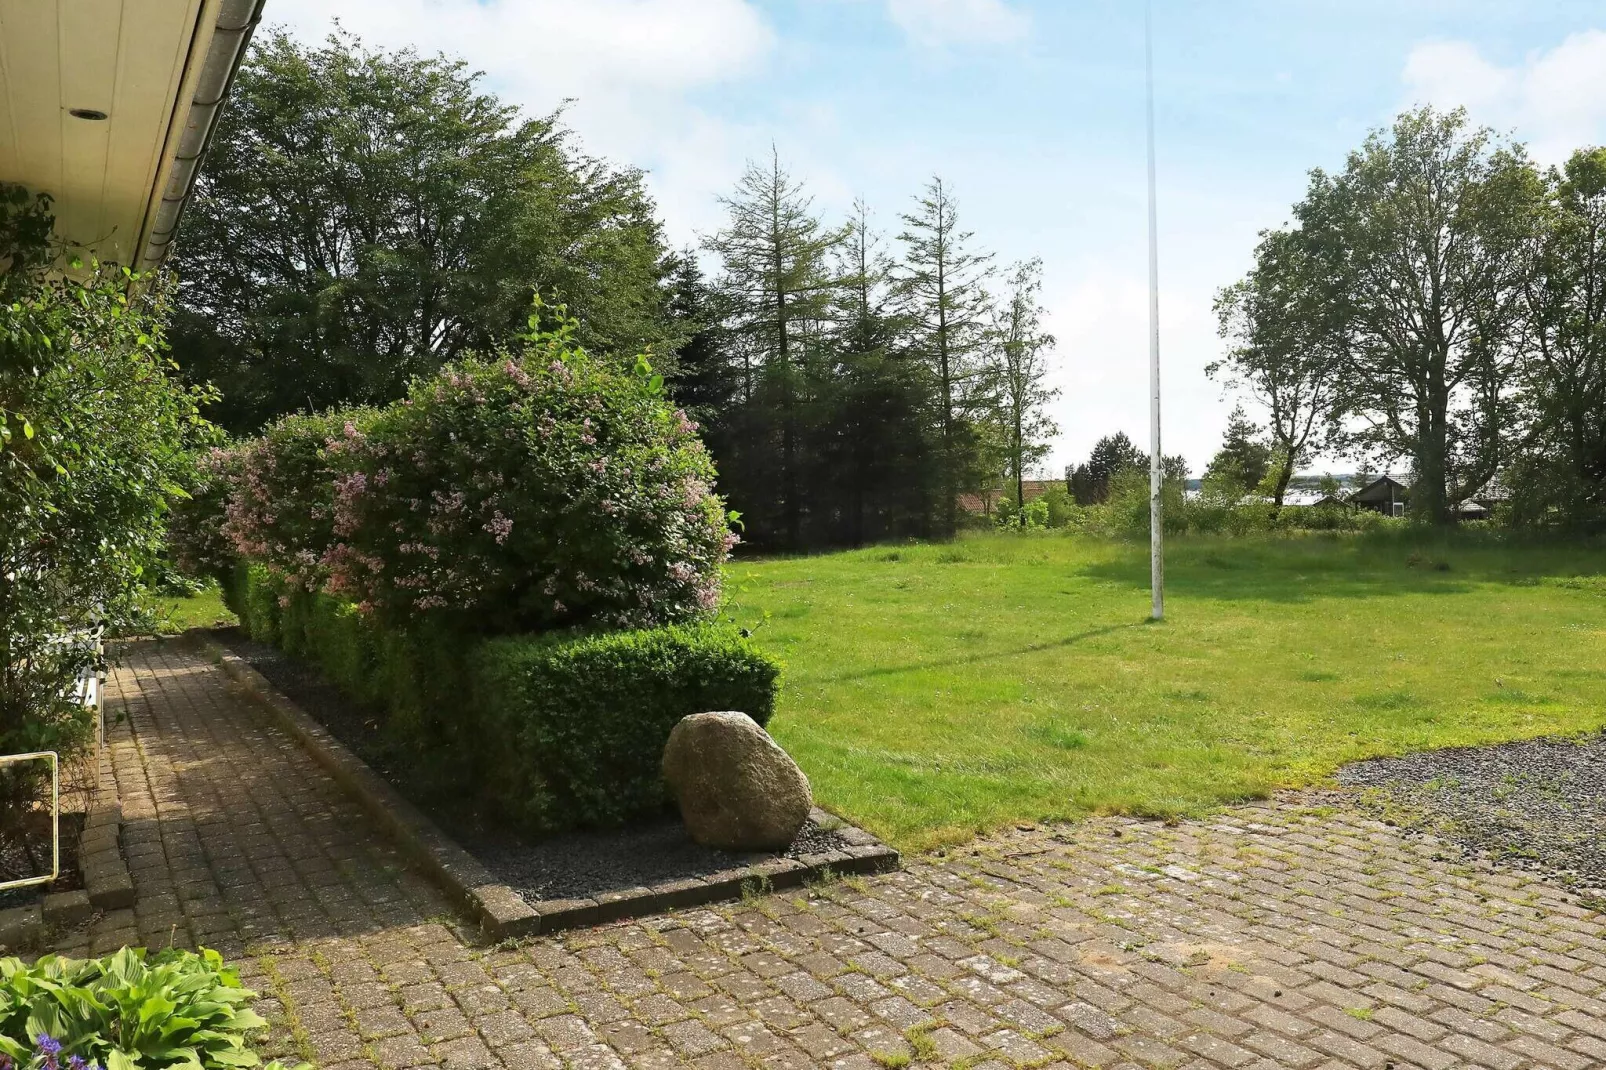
{"x": 737, "y": 789}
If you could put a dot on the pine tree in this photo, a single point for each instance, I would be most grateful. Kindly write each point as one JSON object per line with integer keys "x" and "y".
{"x": 702, "y": 381}
{"x": 776, "y": 287}
{"x": 942, "y": 285}
{"x": 1089, "y": 483}
{"x": 876, "y": 464}
{"x": 1244, "y": 458}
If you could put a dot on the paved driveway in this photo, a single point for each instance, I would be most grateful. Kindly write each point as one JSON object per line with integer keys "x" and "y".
{"x": 1297, "y": 933}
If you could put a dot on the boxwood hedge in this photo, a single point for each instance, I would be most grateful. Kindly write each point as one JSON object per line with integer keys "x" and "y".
{"x": 554, "y": 731}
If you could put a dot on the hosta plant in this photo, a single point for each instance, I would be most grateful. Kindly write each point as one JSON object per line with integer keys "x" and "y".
{"x": 176, "y": 1010}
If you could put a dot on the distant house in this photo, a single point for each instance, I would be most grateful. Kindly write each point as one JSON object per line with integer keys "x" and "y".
{"x": 982, "y": 504}
{"x": 1312, "y": 498}
{"x": 1384, "y": 495}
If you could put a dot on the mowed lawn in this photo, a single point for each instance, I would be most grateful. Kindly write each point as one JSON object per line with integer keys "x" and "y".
{"x": 935, "y": 691}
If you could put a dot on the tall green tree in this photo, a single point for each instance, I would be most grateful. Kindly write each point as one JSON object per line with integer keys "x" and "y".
{"x": 366, "y": 216}
{"x": 1562, "y": 472}
{"x": 1424, "y": 229}
{"x": 942, "y": 281}
{"x": 875, "y": 434}
{"x": 1089, "y": 482}
{"x": 1021, "y": 366}
{"x": 703, "y": 382}
{"x": 1244, "y": 459}
{"x": 776, "y": 287}
{"x": 1286, "y": 322}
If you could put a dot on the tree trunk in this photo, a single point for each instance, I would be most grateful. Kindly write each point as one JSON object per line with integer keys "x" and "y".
{"x": 1020, "y": 477}
{"x": 1428, "y": 499}
{"x": 1284, "y": 475}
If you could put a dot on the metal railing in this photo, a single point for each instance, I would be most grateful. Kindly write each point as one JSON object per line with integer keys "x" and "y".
{"x": 55, "y": 816}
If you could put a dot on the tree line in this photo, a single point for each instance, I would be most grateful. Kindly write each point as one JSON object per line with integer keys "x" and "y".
{"x": 366, "y": 216}
{"x": 1440, "y": 300}
{"x": 851, "y": 393}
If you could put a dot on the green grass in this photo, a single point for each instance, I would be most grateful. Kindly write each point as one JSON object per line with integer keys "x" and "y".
{"x": 205, "y": 610}
{"x": 932, "y": 692}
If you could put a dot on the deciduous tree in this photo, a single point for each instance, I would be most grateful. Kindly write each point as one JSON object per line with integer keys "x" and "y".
{"x": 1286, "y": 323}
{"x": 1423, "y": 231}
{"x": 366, "y": 216}
{"x": 1021, "y": 363}
{"x": 1563, "y": 471}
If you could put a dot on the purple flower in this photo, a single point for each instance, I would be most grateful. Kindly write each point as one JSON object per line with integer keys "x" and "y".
{"x": 47, "y": 1044}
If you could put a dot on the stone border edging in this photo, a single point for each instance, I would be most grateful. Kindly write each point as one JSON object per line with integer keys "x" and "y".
{"x": 107, "y": 883}
{"x": 501, "y": 912}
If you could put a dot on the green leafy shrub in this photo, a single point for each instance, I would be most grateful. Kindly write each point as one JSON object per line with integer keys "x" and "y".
{"x": 527, "y": 493}
{"x": 178, "y": 1009}
{"x": 580, "y": 722}
{"x": 550, "y": 732}
{"x": 96, "y": 434}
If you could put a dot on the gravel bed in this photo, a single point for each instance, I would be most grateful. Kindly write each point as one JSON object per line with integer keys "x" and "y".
{"x": 572, "y": 865}
{"x": 579, "y": 865}
{"x": 19, "y": 860}
{"x": 1538, "y": 805}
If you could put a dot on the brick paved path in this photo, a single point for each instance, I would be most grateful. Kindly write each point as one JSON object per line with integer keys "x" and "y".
{"x": 1290, "y": 934}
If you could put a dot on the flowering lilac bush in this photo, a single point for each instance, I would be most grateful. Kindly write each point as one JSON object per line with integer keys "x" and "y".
{"x": 524, "y": 493}
{"x": 280, "y": 509}
{"x": 196, "y": 539}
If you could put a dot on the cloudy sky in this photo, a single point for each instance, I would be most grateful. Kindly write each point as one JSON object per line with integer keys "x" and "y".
{"x": 1032, "y": 109}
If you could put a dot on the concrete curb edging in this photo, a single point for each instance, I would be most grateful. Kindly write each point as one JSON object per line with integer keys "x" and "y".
{"x": 106, "y": 878}
{"x": 500, "y": 911}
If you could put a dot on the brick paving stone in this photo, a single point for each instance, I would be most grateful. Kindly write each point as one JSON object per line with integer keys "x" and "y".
{"x": 1294, "y": 933}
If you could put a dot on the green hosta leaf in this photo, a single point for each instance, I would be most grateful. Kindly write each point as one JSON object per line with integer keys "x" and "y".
{"x": 154, "y": 1008}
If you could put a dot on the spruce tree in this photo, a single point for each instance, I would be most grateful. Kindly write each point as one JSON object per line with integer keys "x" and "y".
{"x": 776, "y": 288}
{"x": 942, "y": 283}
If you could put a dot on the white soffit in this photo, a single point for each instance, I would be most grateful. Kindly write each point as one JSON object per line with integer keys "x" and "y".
{"x": 140, "y": 63}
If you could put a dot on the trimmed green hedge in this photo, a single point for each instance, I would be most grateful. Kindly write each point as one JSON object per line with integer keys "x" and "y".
{"x": 551, "y": 732}
{"x": 581, "y": 721}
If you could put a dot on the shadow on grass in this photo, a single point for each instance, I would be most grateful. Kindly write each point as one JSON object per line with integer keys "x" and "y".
{"x": 977, "y": 659}
{"x": 1306, "y": 569}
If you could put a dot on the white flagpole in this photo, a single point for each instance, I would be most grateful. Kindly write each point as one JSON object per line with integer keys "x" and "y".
{"x": 1156, "y": 521}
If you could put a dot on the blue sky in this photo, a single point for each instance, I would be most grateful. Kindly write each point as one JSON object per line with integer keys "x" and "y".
{"x": 1032, "y": 109}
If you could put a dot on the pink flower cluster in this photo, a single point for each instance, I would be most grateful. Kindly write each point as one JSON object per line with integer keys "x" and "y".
{"x": 516, "y": 495}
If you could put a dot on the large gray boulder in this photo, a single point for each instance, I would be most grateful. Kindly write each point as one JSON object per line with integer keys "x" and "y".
{"x": 737, "y": 789}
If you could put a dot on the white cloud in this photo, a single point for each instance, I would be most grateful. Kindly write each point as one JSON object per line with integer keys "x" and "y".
{"x": 559, "y": 47}
{"x": 630, "y": 66}
{"x": 1554, "y": 99}
{"x": 940, "y": 23}
{"x": 1100, "y": 320}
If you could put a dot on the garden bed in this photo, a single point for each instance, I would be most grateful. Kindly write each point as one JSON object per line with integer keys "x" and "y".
{"x": 31, "y": 857}
{"x": 650, "y": 864}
